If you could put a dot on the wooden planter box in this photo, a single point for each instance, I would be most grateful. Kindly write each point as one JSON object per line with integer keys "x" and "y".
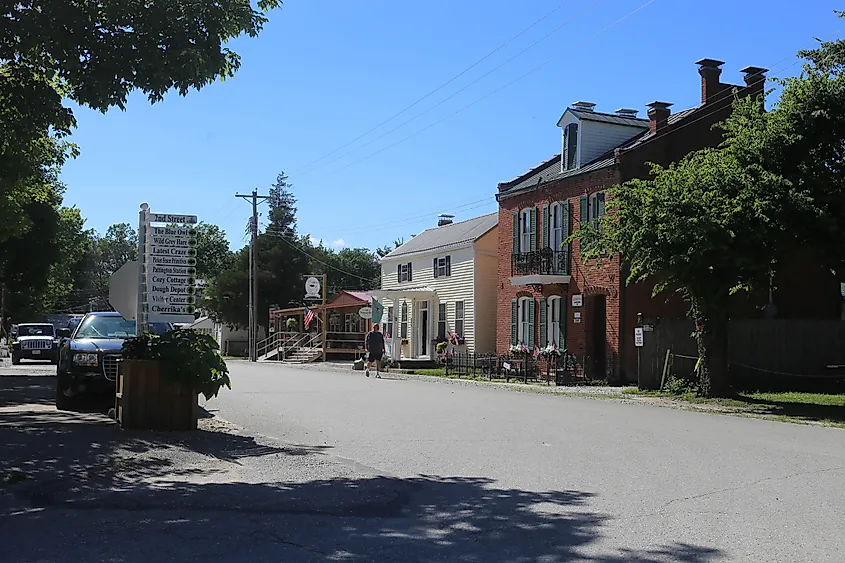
{"x": 146, "y": 400}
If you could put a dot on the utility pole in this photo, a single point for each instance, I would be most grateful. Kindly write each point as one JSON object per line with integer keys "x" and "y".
{"x": 253, "y": 272}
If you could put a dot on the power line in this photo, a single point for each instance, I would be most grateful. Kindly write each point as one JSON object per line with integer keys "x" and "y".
{"x": 443, "y": 101}
{"x": 432, "y": 92}
{"x": 296, "y": 246}
{"x": 497, "y": 90}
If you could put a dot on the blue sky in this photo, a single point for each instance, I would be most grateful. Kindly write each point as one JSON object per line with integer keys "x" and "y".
{"x": 324, "y": 72}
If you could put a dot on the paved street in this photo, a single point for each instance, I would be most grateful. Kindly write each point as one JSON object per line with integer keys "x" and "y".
{"x": 329, "y": 466}
{"x": 554, "y": 477}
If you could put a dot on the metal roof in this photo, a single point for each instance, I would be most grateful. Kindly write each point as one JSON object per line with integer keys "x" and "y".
{"x": 607, "y": 118}
{"x": 454, "y": 234}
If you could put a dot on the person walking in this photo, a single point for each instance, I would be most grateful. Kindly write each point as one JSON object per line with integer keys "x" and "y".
{"x": 374, "y": 349}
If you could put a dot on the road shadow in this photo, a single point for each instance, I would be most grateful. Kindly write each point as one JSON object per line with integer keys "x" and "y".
{"x": 130, "y": 495}
{"x": 23, "y": 390}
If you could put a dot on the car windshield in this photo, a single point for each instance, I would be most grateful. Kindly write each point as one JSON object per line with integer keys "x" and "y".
{"x": 35, "y": 330}
{"x": 102, "y": 326}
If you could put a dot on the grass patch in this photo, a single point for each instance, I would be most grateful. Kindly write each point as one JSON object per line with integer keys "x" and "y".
{"x": 791, "y": 406}
{"x": 435, "y": 372}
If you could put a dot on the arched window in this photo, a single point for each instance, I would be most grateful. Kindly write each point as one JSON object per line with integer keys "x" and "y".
{"x": 526, "y": 321}
{"x": 554, "y": 321}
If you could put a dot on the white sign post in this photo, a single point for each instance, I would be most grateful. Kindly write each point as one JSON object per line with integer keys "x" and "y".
{"x": 168, "y": 290}
{"x": 638, "y": 337}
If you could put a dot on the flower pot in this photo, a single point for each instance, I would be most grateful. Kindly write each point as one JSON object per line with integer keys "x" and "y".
{"x": 146, "y": 400}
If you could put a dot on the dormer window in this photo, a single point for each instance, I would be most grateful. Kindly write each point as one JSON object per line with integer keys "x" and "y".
{"x": 569, "y": 157}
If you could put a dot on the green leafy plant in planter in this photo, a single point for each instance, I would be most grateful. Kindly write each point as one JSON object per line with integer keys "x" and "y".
{"x": 292, "y": 324}
{"x": 188, "y": 357}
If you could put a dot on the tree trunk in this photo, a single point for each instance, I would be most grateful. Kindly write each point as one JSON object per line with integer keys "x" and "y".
{"x": 711, "y": 336}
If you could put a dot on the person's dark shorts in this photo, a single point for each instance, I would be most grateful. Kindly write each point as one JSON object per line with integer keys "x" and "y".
{"x": 375, "y": 356}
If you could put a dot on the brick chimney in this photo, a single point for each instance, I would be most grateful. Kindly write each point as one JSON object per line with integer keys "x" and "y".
{"x": 658, "y": 115}
{"x": 710, "y": 85}
{"x": 755, "y": 79}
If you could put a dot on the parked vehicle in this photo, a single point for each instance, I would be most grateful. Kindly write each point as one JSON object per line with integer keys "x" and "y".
{"x": 35, "y": 341}
{"x": 88, "y": 356}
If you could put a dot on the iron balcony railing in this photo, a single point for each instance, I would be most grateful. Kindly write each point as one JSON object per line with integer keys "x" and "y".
{"x": 544, "y": 262}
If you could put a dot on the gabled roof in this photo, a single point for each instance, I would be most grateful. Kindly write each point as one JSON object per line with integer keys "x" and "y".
{"x": 448, "y": 236}
{"x": 549, "y": 170}
{"x": 614, "y": 118}
{"x": 345, "y": 298}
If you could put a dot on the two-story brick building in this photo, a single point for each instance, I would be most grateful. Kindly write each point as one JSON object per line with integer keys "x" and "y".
{"x": 546, "y": 293}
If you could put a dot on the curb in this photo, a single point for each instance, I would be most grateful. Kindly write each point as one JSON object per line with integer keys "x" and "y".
{"x": 582, "y": 391}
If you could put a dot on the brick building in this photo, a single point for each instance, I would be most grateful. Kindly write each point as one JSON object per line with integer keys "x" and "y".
{"x": 546, "y": 292}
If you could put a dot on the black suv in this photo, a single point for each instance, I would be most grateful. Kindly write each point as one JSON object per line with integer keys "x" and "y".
{"x": 88, "y": 357}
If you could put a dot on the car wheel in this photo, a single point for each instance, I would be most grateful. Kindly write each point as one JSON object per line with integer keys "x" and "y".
{"x": 15, "y": 360}
{"x": 63, "y": 402}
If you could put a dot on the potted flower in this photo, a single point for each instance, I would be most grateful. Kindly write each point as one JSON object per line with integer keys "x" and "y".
{"x": 519, "y": 349}
{"x": 550, "y": 351}
{"x": 160, "y": 377}
{"x": 455, "y": 339}
{"x": 292, "y": 324}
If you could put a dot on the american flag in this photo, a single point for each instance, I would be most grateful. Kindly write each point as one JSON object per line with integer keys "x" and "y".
{"x": 309, "y": 316}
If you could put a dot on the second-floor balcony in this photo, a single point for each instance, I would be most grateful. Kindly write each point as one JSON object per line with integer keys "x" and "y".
{"x": 540, "y": 267}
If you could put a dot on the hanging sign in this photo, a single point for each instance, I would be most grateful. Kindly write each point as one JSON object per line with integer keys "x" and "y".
{"x": 578, "y": 300}
{"x": 312, "y": 288}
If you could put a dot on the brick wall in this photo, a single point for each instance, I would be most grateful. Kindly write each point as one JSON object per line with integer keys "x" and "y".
{"x": 587, "y": 279}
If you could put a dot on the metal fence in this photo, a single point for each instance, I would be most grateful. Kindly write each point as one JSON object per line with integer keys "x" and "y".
{"x": 562, "y": 370}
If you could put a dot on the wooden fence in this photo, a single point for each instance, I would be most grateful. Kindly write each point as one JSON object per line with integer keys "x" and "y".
{"x": 764, "y": 354}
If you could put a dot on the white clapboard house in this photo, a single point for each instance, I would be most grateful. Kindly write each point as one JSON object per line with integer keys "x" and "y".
{"x": 441, "y": 281}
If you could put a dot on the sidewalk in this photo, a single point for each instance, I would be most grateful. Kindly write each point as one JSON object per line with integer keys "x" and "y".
{"x": 527, "y": 387}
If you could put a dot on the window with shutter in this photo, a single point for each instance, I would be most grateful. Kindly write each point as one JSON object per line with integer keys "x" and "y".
{"x": 543, "y": 320}
{"x": 410, "y": 272}
{"x": 533, "y": 229}
{"x": 515, "y": 249}
{"x": 399, "y": 273}
{"x": 569, "y": 158}
{"x": 525, "y": 230}
{"x": 459, "y": 318}
{"x": 531, "y": 324}
{"x": 514, "y": 323}
{"x": 434, "y": 268}
{"x": 585, "y": 209}
{"x": 545, "y": 226}
{"x": 448, "y": 265}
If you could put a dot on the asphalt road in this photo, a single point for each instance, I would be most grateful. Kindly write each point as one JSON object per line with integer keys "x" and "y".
{"x": 495, "y": 475}
{"x": 328, "y": 466}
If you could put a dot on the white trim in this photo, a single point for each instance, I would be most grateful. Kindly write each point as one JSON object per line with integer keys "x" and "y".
{"x": 540, "y": 279}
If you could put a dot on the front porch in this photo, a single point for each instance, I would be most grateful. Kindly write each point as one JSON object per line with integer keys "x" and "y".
{"x": 410, "y": 325}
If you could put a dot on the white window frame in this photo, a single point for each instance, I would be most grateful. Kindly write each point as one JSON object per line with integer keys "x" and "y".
{"x": 553, "y": 320}
{"x": 403, "y": 321}
{"x": 556, "y": 233}
{"x": 441, "y": 268}
{"x": 388, "y": 326}
{"x": 525, "y": 230}
{"x": 460, "y": 317}
{"x": 334, "y": 322}
{"x": 405, "y": 272}
{"x": 564, "y": 163}
{"x": 523, "y": 320}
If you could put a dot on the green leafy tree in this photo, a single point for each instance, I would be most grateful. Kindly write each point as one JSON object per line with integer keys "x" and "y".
{"x": 725, "y": 220}
{"x": 95, "y": 54}
{"x": 282, "y": 265}
{"x": 213, "y": 254}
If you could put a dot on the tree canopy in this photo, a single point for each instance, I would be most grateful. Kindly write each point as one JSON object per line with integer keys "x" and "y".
{"x": 724, "y": 220}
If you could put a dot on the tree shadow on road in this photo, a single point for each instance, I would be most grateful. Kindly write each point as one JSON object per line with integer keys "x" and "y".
{"x": 74, "y": 477}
